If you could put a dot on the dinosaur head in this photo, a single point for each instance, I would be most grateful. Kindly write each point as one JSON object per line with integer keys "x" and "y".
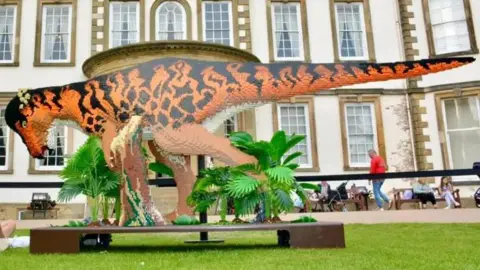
{"x": 30, "y": 115}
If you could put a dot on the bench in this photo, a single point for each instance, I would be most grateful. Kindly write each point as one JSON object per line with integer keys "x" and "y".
{"x": 358, "y": 199}
{"x": 398, "y": 194}
{"x": 295, "y": 235}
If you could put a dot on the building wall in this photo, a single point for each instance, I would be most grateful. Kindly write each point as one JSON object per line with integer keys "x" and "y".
{"x": 26, "y": 75}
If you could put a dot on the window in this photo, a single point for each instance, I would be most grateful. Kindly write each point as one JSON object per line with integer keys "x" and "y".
{"x": 294, "y": 118}
{"x": 56, "y": 33}
{"x": 449, "y": 26}
{"x": 171, "y": 21}
{"x": 55, "y": 159}
{"x": 217, "y": 22}
{"x": 230, "y": 125}
{"x": 360, "y": 130}
{"x": 124, "y": 23}
{"x": 287, "y": 31}
{"x": 462, "y": 128}
{"x": 351, "y": 34}
{"x": 7, "y": 33}
{"x": 4, "y": 141}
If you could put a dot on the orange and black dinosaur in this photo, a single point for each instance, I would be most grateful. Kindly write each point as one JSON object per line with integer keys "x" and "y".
{"x": 184, "y": 100}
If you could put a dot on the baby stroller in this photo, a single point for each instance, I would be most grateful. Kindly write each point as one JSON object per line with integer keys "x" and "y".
{"x": 336, "y": 198}
{"x": 476, "y": 196}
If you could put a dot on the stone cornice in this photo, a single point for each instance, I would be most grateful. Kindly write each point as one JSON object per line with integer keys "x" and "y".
{"x": 188, "y": 49}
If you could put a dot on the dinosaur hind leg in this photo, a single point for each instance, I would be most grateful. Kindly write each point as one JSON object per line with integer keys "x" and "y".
{"x": 184, "y": 178}
{"x": 196, "y": 140}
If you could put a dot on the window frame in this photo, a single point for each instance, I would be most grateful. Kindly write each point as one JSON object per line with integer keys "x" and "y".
{"x": 42, "y": 46}
{"x": 440, "y": 114}
{"x": 110, "y": 22}
{"x": 374, "y": 128}
{"x": 308, "y": 102}
{"x": 230, "y": 18}
{"x": 301, "y": 56}
{"x": 9, "y": 146}
{"x": 234, "y": 119}
{"x": 36, "y": 169}
{"x": 367, "y": 26}
{"x": 309, "y": 164}
{"x": 13, "y": 48}
{"x": 379, "y": 140}
{"x": 233, "y": 19}
{"x": 364, "y": 34}
{"x": 430, "y": 38}
{"x": 107, "y": 19}
{"x": 303, "y": 29}
{"x": 154, "y": 22}
{"x": 40, "y": 167}
{"x": 16, "y": 34}
{"x": 40, "y": 40}
{"x": 447, "y": 135}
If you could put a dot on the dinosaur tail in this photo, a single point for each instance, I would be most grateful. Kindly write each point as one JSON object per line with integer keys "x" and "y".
{"x": 283, "y": 80}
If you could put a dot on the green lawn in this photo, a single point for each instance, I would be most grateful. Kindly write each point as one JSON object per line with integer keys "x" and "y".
{"x": 392, "y": 246}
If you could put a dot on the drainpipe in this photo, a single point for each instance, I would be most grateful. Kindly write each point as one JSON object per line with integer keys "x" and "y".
{"x": 405, "y": 85}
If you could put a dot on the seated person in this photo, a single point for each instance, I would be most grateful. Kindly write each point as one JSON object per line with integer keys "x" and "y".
{"x": 6, "y": 230}
{"x": 297, "y": 202}
{"x": 424, "y": 193}
{"x": 324, "y": 189}
{"x": 446, "y": 188}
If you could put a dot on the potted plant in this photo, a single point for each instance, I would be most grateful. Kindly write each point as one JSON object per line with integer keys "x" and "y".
{"x": 87, "y": 173}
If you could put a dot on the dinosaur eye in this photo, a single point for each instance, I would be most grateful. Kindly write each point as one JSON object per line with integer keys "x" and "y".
{"x": 24, "y": 124}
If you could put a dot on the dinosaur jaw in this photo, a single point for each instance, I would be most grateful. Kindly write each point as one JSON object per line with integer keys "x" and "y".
{"x": 213, "y": 123}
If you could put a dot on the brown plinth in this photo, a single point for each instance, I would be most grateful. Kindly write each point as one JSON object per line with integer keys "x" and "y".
{"x": 298, "y": 235}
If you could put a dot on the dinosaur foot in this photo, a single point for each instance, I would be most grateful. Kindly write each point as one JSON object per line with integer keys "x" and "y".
{"x": 172, "y": 215}
{"x": 142, "y": 217}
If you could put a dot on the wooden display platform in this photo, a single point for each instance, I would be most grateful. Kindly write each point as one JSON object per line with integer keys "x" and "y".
{"x": 295, "y": 235}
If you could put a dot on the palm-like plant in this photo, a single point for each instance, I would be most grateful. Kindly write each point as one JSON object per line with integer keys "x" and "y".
{"x": 87, "y": 173}
{"x": 279, "y": 168}
{"x": 209, "y": 188}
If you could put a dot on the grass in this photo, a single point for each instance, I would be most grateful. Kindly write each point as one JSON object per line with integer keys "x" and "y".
{"x": 390, "y": 246}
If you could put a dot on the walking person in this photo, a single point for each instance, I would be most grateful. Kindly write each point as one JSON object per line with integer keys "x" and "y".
{"x": 377, "y": 165}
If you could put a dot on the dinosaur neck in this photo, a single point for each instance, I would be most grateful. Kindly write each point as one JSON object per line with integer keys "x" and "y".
{"x": 64, "y": 103}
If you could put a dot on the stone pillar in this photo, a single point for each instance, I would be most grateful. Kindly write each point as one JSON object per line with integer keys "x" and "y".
{"x": 418, "y": 109}
{"x": 244, "y": 29}
{"x": 245, "y": 120}
{"x": 98, "y": 26}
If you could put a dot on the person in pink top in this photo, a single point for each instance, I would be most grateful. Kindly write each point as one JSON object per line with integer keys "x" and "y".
{"x": 377, "y": 165}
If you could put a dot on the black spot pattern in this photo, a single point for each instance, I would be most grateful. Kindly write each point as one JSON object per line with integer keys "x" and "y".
{"x": 166, "y": 104}
{"x": 131, "y": 96}
{"x": 175, "y": 113}
{"x": 162, "y": 119}
{"x": 206, "y": 99}
{"x": 144, "y": 97}
{"x": 187, "y": 104}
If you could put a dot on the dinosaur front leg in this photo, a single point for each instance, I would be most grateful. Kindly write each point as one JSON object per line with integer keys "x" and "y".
{"x": 137, "y": 206}
{"x": 184, "y": 178}
{"x": 107, "y": 139}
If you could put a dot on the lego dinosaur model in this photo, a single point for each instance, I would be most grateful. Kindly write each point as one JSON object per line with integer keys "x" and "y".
{"x": 183, "y": 101}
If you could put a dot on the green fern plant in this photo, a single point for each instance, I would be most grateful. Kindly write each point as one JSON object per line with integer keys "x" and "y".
{"x": 87, "y": 173}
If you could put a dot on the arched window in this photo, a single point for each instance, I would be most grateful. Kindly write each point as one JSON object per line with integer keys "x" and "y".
{"x": 171, "y": 23}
